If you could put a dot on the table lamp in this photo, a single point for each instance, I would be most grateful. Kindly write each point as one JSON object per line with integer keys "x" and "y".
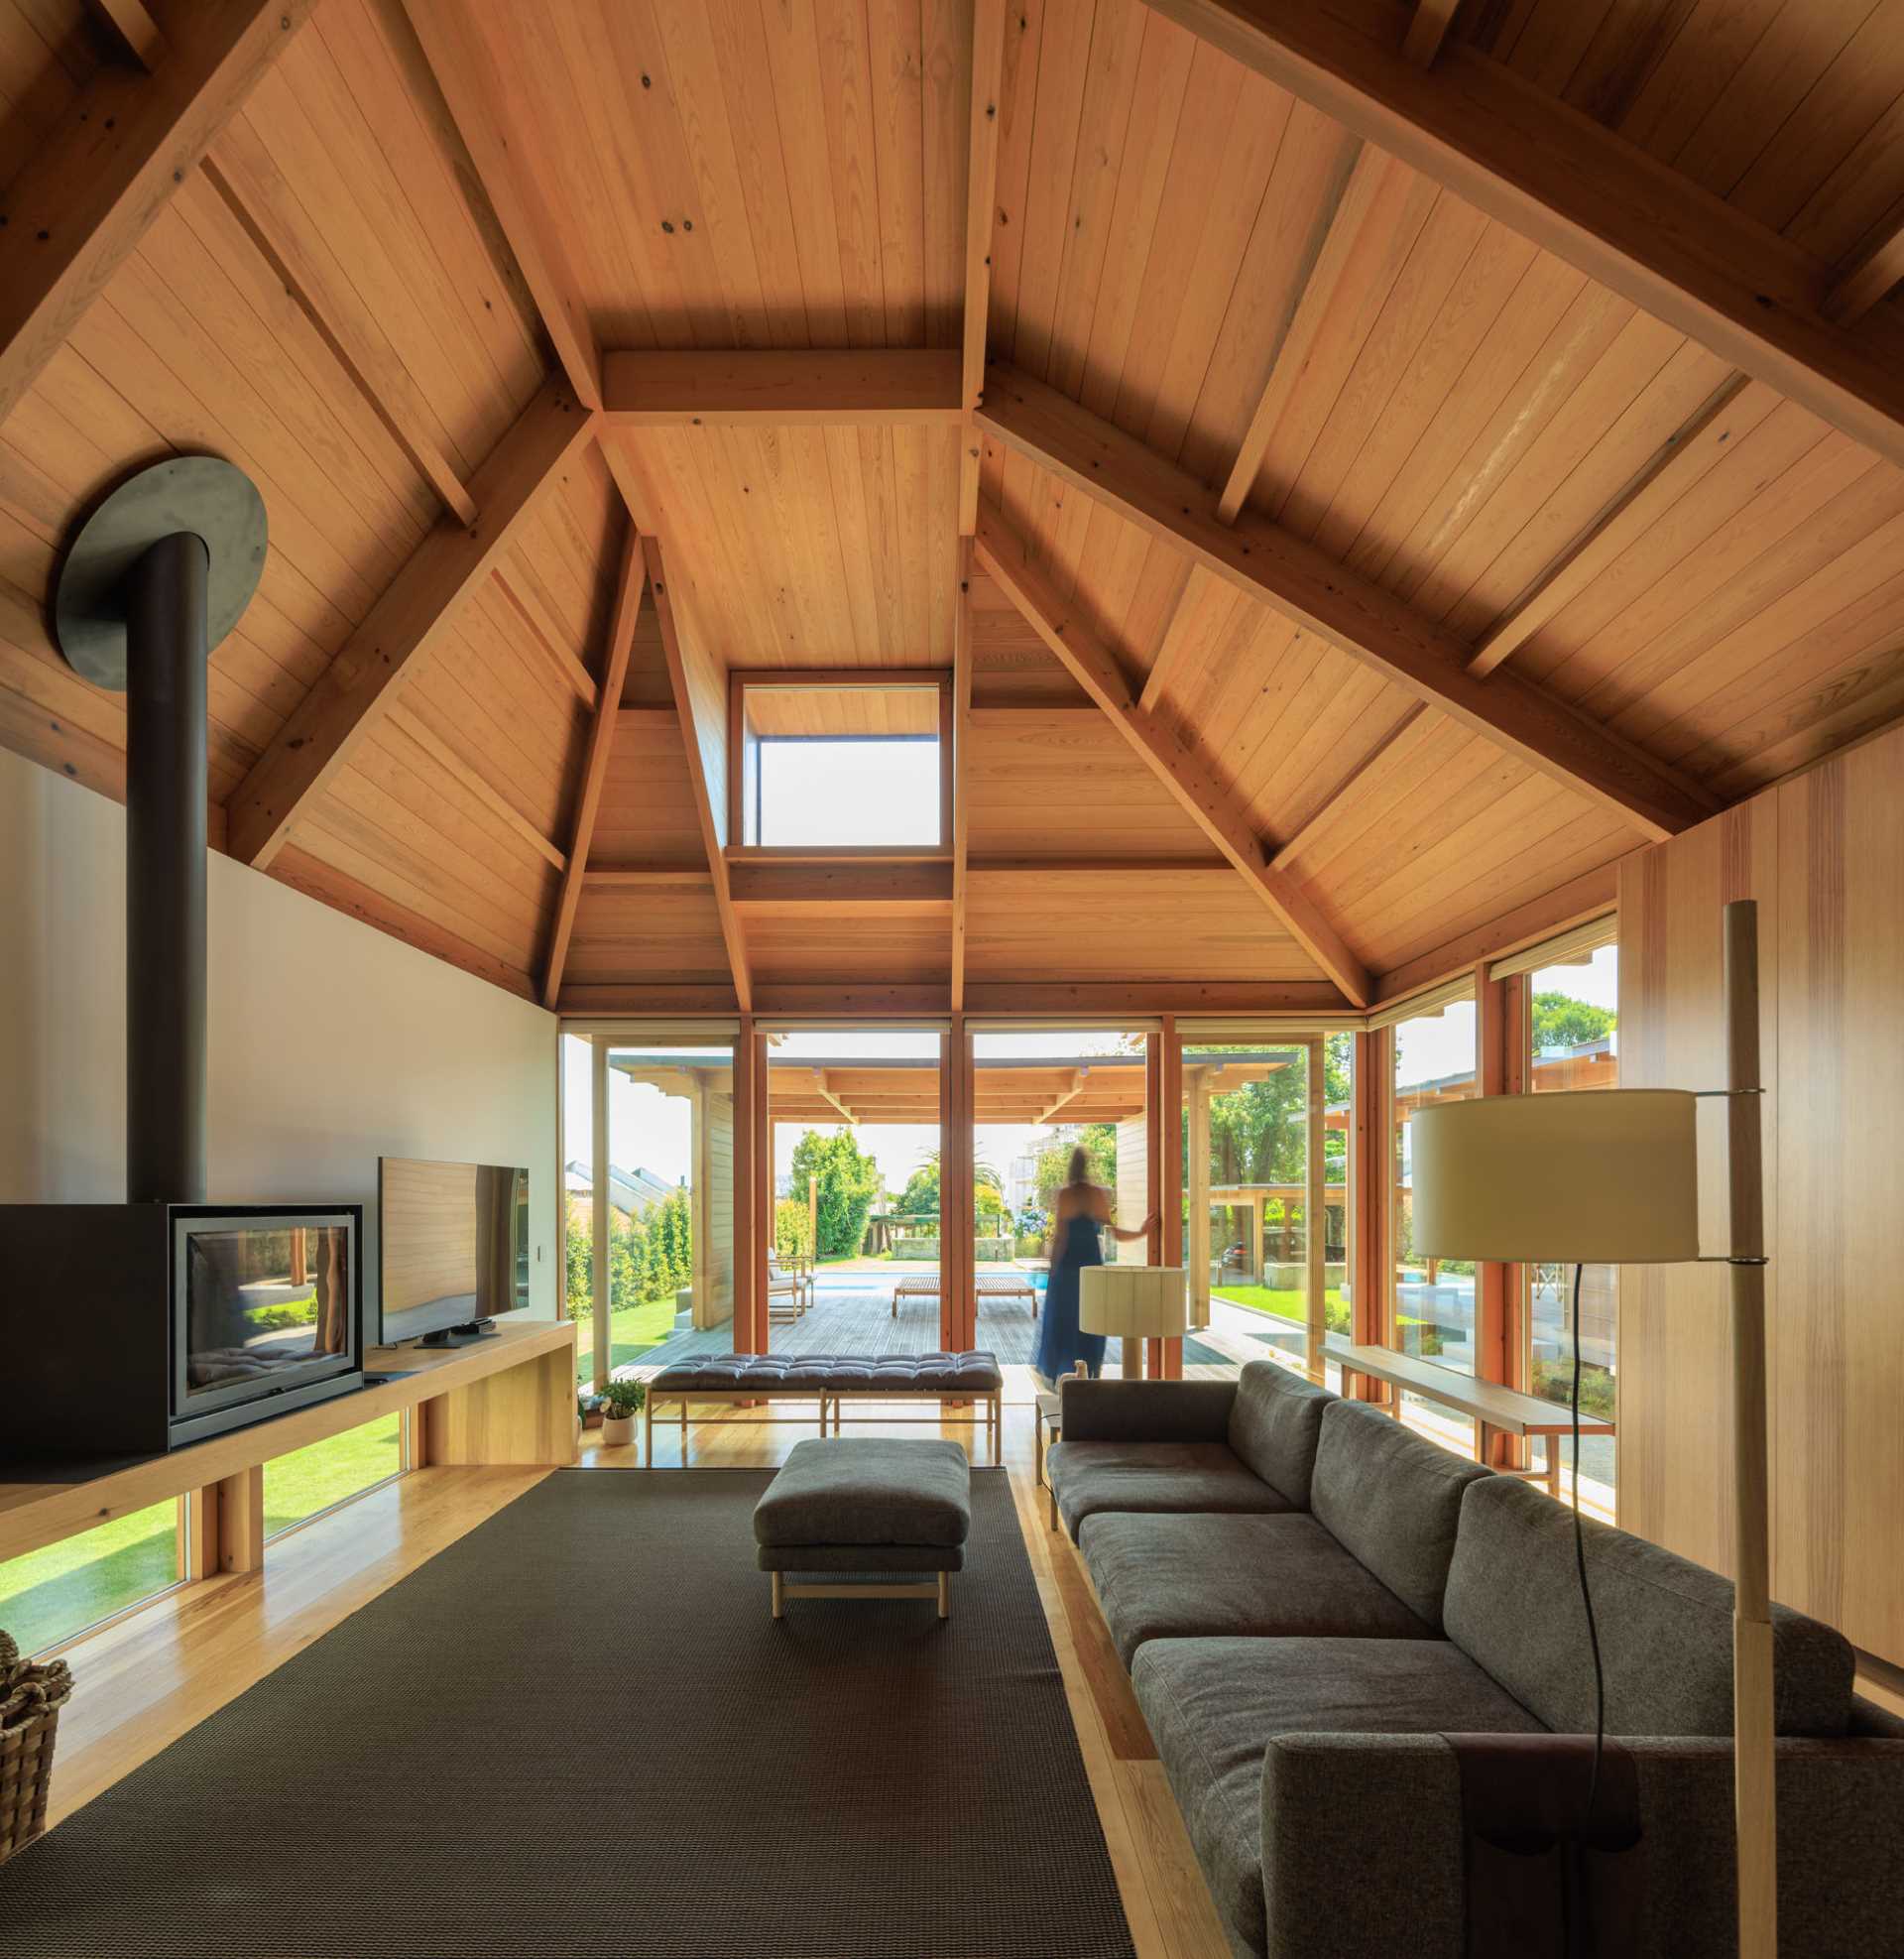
{"x": 1135, "y": 1304}
{"x": 1611, "y": 1176}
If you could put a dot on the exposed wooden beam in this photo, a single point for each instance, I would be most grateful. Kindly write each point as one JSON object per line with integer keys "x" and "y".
{"x": 1209, "y": 802}
{"x": 961, "y": 770}
{"x": 413, "y": 728}
{"x": 1073, "y": 1087}
{"x": 1872, "y": 274}
{"x": 1359, "y": 196}
{"x": 1287, "y": 573}
{"x": 453, "y": 46}
{"x": 981, "y": 195}
{"x": 403, "y": 629}
{"x": 367, "y": 363}
{"x": 1034, "y": 999}
{"x": 778, "y": 388}
{"x": 843, "y": 890}
{"x": 1585, "y": 897}
{"x": 601, "y": 740}
{"x": 1690, "y": 452}
{"x": 1427, "y": 30}
{"x": 131, "y": 24}
{"x": 647, "y": 877}
{"x": 1287, "y": 852}
{"x": 1105, "y": 867}
{"x": 1581, "y": 192}
{"x": 106, "y": 170}
{"x": 825, "y": 1093}
{"x": 692, "y": 736}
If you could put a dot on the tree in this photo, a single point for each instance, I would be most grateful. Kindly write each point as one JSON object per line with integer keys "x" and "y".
{"x": 578, "y": 1252}
{"x": 920, "y": 1198}
{"x": 848, "y": 1180}
{"x": 1100, "y": 1143}
{"x": 1561, "y": 1021}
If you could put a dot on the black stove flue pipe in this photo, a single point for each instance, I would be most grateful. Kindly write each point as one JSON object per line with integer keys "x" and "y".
{"x": 166, "y": 798}
{"x": 156, "y": 577}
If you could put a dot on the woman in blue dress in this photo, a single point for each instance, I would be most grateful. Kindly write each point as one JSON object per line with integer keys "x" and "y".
{"x": 1084, "y": 1208}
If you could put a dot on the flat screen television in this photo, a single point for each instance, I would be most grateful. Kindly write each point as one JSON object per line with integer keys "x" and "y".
{"x": 455, "y": 1248}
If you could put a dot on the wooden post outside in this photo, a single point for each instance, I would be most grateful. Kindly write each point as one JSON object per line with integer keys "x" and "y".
{"x": 1170, "y": 1185}
{"x": 958, "y": 1294}
{"x": 1154, "y": 1356}
{"x": 1315, "y": 1225}
{"x": 1371, "y": 1172}
{"x": 749, "y": 1294}
{"x": 1494, "y": 1282}
{"x": 1753, "y": 1758}
{"x": 599, "y": 1207}
{"x": 813, "y": 1217}
{"x": 297, "y": 1266}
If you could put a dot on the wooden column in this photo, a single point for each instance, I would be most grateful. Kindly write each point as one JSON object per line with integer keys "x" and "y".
{"x": 750, "y": 1141}
{"x": 958, "y": 1295}
{"x": 1371, "y": 1175}
{"x": 1497, "y": 1286}
{"x": 1315, "y": 1226}
{"x": 599, "y": 1206}
{"x": 1169, "y": 1125}
{"x": 700, "y": 1205}
{"x": 241, "y": 1519}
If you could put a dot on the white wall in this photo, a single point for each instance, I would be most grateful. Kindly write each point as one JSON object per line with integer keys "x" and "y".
{"x": 331, "y": 1044}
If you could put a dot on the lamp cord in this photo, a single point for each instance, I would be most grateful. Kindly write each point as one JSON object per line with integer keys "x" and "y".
{"x": 1586, "y": 1591}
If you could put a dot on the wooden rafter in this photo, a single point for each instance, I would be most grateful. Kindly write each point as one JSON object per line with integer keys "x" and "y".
{"x": 1690, "y": 452}
{"x": 843, "y": 890}
{"x": 1358, "y": 197}
{"x": 824, "y": 1091}
{"x": 1872, "y": 274}
{"x": 779, "y": 388}
{"x": 368, "y": 364}
{"x": 454, "y": 50}
{"x": 1073, "y": 1088}
{"x": 1287, "y": 573}
{"x": 103, "y": 172}
{"x": 1581, "y": 192}
{"x": 647, "y": 877}
{"x": 403, "y": 629}
{"x": 709, "y": 810}
{"x": 981, "y": 193}
{"x": 601, "y": 740}
{"x": 133, "y": 27}
{"x": 961, "y": 763}
{"x": 1293, "y": 846}
{"x": 1427, "y": 30}
{"x": 1209, "y": 802}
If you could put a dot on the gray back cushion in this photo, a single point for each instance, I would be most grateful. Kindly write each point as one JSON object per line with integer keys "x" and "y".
{"x": 1274, "y": 1424}
{"x": 1391, "y": 1500}
{"x": 1665, "y": 1626}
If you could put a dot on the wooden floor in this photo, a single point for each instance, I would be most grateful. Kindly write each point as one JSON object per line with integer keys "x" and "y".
{"x": 149, "y": 1679}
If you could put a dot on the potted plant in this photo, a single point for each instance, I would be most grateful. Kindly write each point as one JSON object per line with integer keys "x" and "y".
{"x": 622, "y": 1401}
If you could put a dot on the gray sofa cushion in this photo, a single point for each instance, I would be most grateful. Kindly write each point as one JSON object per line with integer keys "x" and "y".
{"x": 1274, "y": 1425}
{"x": 1175, "y": 1577}
{"x": 1113, "y": 1411}
{"x": 867, "y": 1490}
{"x": 1213, "y": 1706}
{"x": 1392, "y": 1500}
{"x": 1088, "y": 1477}
{"x": 1665, "y": 1626}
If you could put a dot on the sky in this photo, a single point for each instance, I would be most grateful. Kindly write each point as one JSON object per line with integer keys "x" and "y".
{"x": 826, "y": 791}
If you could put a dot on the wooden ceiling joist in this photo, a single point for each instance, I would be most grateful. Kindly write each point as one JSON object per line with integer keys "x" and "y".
{"x": 1288, "y": 573}
{"x": 403, "y": 628}
{"x": 779, "y": 388}
{"x": 1581, "y": 192}
{"x": 824, "y": 1091}
{"x": 453, "y": 46}
{"x": 1427, "y": 29}
{"x": 700, "y": 700}
{"x": 843, "y": 890}
{"x": 601, "y": 740}
{"x": 1209, "y": 802}
{"x": 133, "y": 27}
{"x": 1688, "y": 453}
{"x": 95, "y": 185}
{"x": 1875, "y": 272}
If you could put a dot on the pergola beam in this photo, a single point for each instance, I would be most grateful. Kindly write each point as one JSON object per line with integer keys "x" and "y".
{"x": 778, "y": 388}
{"x": 696, "y": 740}
{"x": 1211, "y": 803}
{"x": 404, "y": 629}
{"x": 97, "y": 181}
{"x": 601, "y": 740}
{"x": 824, "y": 1091}
{"x": 1581, "y": 192}
{"x": 1286, "y": 573}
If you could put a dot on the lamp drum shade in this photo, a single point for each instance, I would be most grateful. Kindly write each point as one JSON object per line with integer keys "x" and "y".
{"x": 1594, "y": 1176}
{"x": 1133, "y": 1302}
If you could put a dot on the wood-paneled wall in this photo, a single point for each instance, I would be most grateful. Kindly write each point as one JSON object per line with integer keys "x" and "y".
{"x": 1824, "y": 856}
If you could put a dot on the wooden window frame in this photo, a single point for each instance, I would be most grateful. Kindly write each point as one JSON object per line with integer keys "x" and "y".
{"x": 832, "y": 678}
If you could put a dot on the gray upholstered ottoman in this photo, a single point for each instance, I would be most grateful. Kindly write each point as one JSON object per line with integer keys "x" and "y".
{"x": 865, "y": 1503}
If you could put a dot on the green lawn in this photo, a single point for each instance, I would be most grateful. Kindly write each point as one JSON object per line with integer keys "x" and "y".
{"x": 1285, "y": 1302}
{"x": 631, "y": 1333}
{"x": 51, "y": 1594}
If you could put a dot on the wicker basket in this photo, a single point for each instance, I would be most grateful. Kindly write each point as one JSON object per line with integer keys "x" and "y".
{"x": 31, "y": 1699}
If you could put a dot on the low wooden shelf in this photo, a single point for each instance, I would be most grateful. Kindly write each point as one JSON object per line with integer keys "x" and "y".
{"x": 506, "y": 1400}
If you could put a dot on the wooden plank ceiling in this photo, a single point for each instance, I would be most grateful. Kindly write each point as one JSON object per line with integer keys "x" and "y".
{"x": 1344, "y": 534}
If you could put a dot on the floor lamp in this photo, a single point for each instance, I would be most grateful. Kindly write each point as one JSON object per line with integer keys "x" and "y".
{"x": 1132, "y": 1303}
{"x": 1611, "y": 1176}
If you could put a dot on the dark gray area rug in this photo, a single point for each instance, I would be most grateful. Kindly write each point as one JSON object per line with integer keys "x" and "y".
{"x": 578, "y": 1731}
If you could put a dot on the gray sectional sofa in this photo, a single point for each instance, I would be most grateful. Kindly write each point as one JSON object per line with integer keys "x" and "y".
{"x": 1309, "y": 1599}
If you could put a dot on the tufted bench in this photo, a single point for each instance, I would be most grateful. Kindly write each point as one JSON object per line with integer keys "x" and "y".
{"x": 831, "y": 1379}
